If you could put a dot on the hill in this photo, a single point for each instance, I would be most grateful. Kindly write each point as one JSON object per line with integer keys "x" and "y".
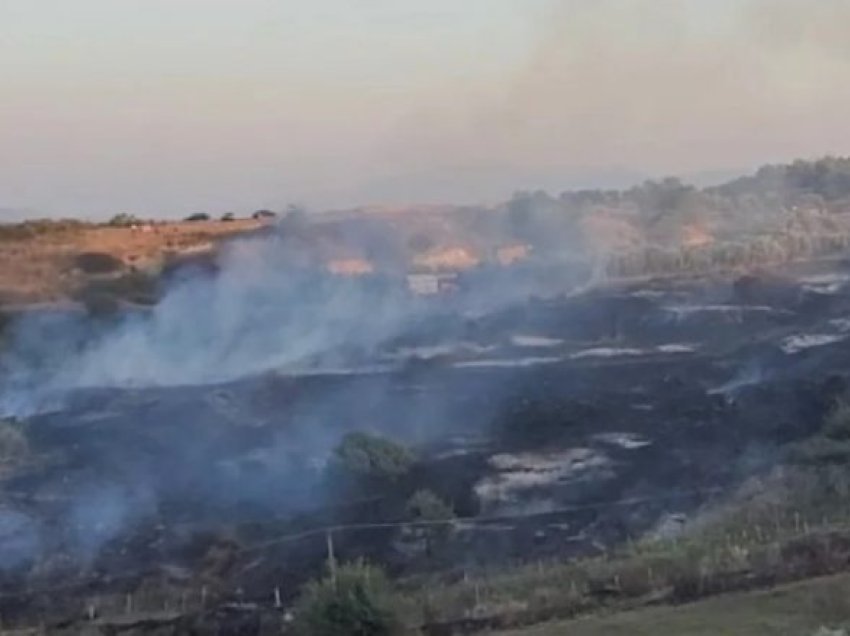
{"x": 46, "y": 261}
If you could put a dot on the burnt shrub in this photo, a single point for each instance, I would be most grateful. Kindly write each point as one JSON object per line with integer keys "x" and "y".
{"x": 100, "y": 305}
{"x": 356, "y": 600}
{"x": 98, "y": 263}
{"x": 104, "y": 296}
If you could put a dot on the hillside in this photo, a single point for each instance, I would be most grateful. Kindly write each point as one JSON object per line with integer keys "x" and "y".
{"x": 39, "y": 260}
{"x": 781, "y": 213}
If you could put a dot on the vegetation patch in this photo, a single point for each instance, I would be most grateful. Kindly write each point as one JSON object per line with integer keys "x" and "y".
{"x": 355, "y": 599}
{"x": 373, "y": 457}
{"x": 98, "y": 263}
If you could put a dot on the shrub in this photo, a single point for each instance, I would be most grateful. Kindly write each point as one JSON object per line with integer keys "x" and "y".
{"x": 14, "y": 447}
{"x": 819, "y": 451}
{"x": 424, "y": 505}
{"x": 356, "y": 600}
{"x": 837, "y": 423}
{"x": 36, "y": 228}
{"x": 124, "y": 220}
{"x": 100, "y": 304}
{"x": 98, "y": 263}
{"x": 373, "y": 456}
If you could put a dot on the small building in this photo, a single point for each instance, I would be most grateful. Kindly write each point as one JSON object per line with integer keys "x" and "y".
{"x": 431, "y": 284}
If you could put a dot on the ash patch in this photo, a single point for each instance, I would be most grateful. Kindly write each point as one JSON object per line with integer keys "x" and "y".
{"x": 519, "y": 476}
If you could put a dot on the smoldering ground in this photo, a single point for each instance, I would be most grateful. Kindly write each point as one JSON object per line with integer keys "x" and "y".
{"x": 229, "y": 394}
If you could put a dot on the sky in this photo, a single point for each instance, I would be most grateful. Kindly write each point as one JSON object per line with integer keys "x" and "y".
{"x": 167, "y": 107}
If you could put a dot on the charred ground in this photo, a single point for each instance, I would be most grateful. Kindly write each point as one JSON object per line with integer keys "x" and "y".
{"x": 177, "y": 467}
{"x": 647, "y": 404}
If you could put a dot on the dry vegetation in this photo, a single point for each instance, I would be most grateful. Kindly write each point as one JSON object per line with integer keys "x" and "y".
{"x": 820, "y": 607}
{"x": 788, "y": 525}
{"x": 39, "y": 260}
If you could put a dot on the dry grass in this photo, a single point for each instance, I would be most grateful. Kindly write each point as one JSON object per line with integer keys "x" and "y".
{"x": 799, "y": 609}
{"x": 793, "y": 526}
{"x": 37, "y": 260}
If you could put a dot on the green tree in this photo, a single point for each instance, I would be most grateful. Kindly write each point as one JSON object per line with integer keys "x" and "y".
{"x": 373, "y": 456}
{"x": 424, "y": 505}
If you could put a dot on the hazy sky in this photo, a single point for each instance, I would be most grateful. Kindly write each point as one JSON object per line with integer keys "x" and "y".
{"x": 164, "y": 107}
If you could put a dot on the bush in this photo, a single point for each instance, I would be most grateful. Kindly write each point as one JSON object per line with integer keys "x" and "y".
{"x": 373, "y": 456}
{"x": 357, "y": 600}
{"x": 98, "y": 263}
{"x": 837, "y": 423}
{"x": 36, "y": 228}
{"x": 424, "y": 505}
{"x": 124, "y": 220}
{"x": 14, "y": 447}
{"x": 831, "y": 444}
{"x": 100, "y": 304}
{"x": 819, "y": 451}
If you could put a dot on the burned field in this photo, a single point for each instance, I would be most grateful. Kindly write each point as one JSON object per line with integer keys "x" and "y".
{"x": 554, "y": 429}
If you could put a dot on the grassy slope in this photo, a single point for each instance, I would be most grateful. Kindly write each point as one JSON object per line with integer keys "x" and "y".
{"x": 793, "y": 610}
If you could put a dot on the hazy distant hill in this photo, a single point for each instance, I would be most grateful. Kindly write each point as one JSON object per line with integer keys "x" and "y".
{"x": 781, "y": 212}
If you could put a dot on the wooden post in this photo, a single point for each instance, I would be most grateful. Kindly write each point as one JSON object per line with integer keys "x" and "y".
{"x": 277, "y": 602}
{"x": 331, "y": 557}
{"x": 128, "y": 603}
